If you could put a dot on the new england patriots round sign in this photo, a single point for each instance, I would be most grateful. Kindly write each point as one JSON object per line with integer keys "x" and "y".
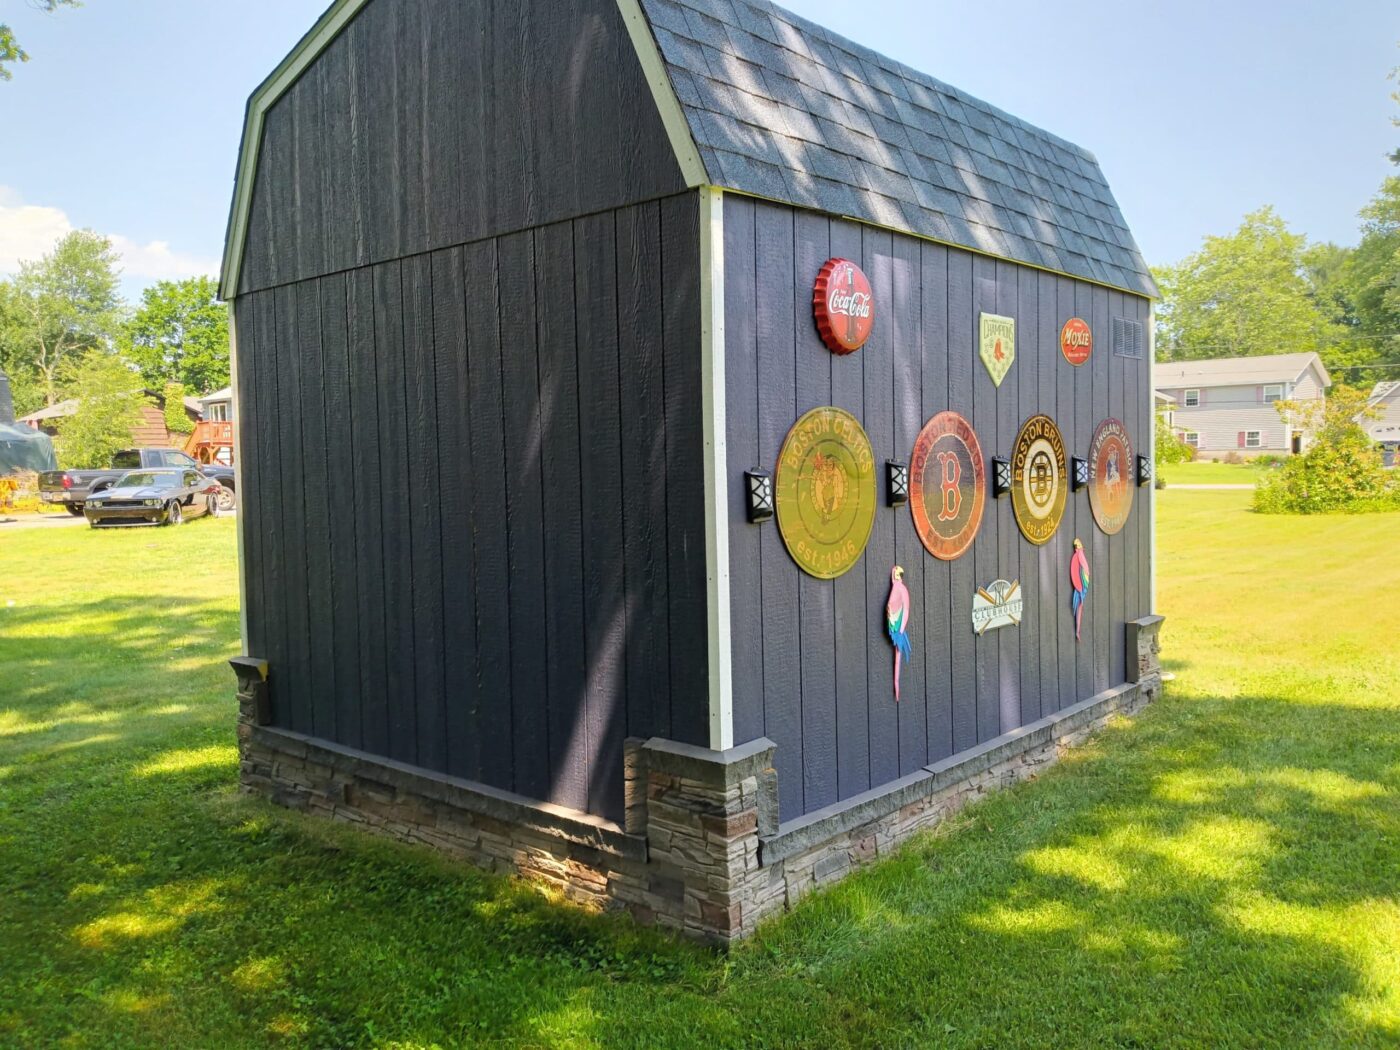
{"x": 843, "y": 306}
{"x": 1110, "y": 476}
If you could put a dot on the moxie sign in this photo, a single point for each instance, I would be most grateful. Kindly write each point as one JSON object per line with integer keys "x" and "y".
{"x": 1076, "y": 341}
{"x": 843, "y": 306}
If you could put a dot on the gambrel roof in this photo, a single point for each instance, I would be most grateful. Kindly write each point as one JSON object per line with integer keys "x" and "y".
{"x": 783, "y": 108}
{"x": 760, "y": 101}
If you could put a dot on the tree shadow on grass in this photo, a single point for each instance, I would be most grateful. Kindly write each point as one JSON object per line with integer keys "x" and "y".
{"x": 1221, "y": 872}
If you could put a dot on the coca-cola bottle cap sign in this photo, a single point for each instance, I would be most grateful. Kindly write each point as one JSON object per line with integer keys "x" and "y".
{"x": 843, "y": 305}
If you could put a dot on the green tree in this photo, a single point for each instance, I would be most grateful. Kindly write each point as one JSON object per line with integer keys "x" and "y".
{"x": 1341, "y": 471}
{"x": 179, "y": 333}
{"x": 1167, "y": 447}
{"x": 1242, "y": 295}
{"x": 176, "y": 419}
{"x": 110, "y": 399}
{"x": 10, "y": 51}
{"x": 64, "y": 305}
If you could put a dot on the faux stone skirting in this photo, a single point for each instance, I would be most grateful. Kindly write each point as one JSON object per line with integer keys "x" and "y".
{"x": 701, "y": 850}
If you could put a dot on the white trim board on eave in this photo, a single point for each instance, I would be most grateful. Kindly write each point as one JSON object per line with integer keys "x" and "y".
{"x": 332, "y": 23}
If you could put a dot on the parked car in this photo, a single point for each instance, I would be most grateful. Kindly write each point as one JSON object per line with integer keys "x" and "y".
{"x": 153, "y": 497}
{"x": 72, "y": 487}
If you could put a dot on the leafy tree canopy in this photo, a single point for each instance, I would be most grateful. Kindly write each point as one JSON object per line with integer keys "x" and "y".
{"x": 1242, "y": 295}
{"x": 110, "y": 398}
{"x": 179, "y": 334}
{"x": 10, "y": 51}
{"x": 57, "y": 309}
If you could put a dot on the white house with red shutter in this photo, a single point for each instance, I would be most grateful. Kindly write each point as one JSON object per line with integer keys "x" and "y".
{"x": 1228, "y": 405}
{"x": 1382, "y": 423}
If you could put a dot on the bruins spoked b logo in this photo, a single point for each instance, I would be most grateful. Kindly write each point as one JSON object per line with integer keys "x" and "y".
{"x": 1038, "y": 479}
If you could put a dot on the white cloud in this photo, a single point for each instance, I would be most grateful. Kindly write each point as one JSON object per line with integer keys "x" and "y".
{"x": 28, "y": 231}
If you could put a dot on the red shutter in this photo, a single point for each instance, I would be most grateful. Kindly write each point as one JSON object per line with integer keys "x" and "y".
{"x": 1241, "y": 439}
{"x": 1259, "y": 394}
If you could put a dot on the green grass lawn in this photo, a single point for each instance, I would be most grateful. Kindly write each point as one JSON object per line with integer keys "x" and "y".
{"x": 1224, "y": 871}
{"x": 1204, "y": 472}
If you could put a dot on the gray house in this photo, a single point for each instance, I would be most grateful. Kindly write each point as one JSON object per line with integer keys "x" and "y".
{"x": 1227, "y": 405}
{"x": 1384, "y": 428}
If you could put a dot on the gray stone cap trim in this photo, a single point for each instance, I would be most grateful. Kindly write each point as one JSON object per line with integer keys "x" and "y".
{"x": 799, "y": 835}
{"x": 545, "y": 818}
{"x": 1148, "y": 621}
{"x": 726, "y": 767}
{"x": 249, "y": 669}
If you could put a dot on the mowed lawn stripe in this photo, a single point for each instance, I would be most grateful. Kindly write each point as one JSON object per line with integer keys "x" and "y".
{"x": 1222, "y": 871}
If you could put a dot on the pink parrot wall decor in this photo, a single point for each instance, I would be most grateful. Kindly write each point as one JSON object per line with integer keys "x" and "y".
{"x": 1079, "y": 578}
{"x": 897, "y": 622}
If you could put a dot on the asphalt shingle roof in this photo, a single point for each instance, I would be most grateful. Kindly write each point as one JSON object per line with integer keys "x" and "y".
{"x": 1236, "y": 371}
{"x": 782, "y": 108}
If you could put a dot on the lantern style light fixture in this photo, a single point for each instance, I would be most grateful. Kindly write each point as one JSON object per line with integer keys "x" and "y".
{"x": 758, "y": 485}
{"x": 1001, "y": 477}
{"x": 1144, "y": 471}
{"x": 1079, "y": 473}
{"x": 896, "y": 483}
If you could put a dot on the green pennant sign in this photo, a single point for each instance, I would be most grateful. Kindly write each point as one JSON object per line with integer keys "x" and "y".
{"x": 997, "y": 345}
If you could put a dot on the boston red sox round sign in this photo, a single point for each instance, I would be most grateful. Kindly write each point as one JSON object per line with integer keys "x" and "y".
{"x": 843, "y": 305}
{"x": 948, "y": 485}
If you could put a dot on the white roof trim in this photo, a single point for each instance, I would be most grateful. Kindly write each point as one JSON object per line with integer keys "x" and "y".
{"x": 331, "y": 24}
{"x": 308, "y": 49}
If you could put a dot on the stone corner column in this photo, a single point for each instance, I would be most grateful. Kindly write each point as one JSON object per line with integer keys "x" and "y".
{"x": 703, "y": 814}
{"x": 254, "y": 709}
{"x": 1144, "y": 649}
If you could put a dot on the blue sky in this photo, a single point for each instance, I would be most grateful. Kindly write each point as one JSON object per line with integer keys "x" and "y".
{"x": 127, "y": 119}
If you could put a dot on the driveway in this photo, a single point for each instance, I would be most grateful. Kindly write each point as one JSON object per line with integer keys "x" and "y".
{"x": 38, "y": 521}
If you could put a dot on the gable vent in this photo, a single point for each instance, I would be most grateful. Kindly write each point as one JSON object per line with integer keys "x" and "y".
{"x": 1127, "y": 337}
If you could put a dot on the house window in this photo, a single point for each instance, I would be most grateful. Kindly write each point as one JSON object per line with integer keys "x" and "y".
{"x": 1192, "y": 399}
{"x": 218, "y": 412}
{"x": 1251, "y": 439}
{"x": 1192, "y": 438}
{"x": 1273, "y": 392}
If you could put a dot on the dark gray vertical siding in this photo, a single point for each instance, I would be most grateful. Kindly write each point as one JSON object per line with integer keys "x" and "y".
{"x": 369, "y": 158}
{"x": 825, "y": 695}
{"x": 250, "y": 451}
{"x": 1098, "y": 615}
{"x": 822, "y": 608}
{"x": 508, "y": 569}
{"x": 777, "y": 323}
{"x": 877, "y": 359}
{"x": 850, "y": 600}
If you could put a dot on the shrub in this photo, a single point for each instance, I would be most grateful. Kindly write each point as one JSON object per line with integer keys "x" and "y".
{"x": 176, "y": 419}
{"x": 1340, "y": 474}
{"x": 1269, "y": 459}
{"x": 1233, "y": 458}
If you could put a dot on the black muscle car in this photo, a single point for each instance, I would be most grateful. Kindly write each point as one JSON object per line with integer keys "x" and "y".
{"x": 153, "y": 497}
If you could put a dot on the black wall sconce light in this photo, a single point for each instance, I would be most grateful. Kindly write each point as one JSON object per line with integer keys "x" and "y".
{"x": 1144, "y": 471}
{"x": 1079, "y": 473}
{"x": 758, "y": 486}
{"x": 1001, "y": 478}
{"x": 896, "y": 483}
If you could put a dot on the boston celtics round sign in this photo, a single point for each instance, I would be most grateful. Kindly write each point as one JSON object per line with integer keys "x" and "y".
{"x": 824, "y": 489}
{"x": 947, "y": 485}
{"x": 1110, "y": 481}
{"x": 1038, "y": 479}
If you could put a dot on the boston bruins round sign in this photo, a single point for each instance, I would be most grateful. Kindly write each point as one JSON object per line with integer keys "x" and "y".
{"x": 947, "y": 485}
{"x": 1110, "y": 484}
{"x": 1038, "y": 479}
{"x": 824, "y": 488}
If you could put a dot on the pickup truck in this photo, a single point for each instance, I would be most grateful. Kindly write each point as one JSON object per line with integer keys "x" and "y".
{"x": 72, "y": 487}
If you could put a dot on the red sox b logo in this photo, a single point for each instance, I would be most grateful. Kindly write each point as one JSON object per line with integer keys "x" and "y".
{"x": 951, "y": 472}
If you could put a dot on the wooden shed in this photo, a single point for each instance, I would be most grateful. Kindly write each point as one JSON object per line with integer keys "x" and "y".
{"x": 528, "y": 298}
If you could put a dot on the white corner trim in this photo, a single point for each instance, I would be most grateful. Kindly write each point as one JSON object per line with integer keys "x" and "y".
{"x": 240, "y": 519}
{"x": 1152, "y": 459}
{"x": 721, "y": 676}
{"x": 326, "y": 29}
{"x": 662, "y": 91}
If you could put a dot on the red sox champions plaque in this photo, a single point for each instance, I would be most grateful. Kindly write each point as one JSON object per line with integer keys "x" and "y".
{"x": 948, "y": 485}
{"x": 824, "y": 488}
{"x": 1038, "y": 480}
{"x": 843, "y": 306}
{"x": 1110, "y": 476}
